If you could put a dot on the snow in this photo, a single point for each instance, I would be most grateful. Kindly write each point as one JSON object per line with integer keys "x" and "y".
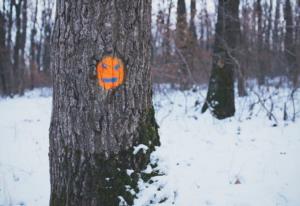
{"x": 239, "y": 161}
{"x": 139, "y": 147}
{"x": 248, "y": 160}
{"x": 24, "y": 165}
{"x": 129, "y": 172}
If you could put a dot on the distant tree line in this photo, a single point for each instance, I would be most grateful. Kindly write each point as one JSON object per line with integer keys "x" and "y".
{"x": 24, "y": 45}
{"x": 268, "y": 42}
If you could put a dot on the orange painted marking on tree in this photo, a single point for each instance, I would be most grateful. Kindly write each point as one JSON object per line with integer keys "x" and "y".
{"x": 110, "y": 72}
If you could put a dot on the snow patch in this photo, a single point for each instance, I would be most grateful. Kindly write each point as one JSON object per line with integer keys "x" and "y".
{"x": 140, "y": 147}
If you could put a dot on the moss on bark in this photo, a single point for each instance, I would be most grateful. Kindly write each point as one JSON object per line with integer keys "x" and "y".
{"x": 101, "y": 180}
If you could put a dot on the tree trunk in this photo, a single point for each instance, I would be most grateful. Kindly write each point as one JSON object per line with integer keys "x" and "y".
{"x": 244, "y": 51}
{"x": 289, "y": 43}
{"x": 16, "y": 56}
{"x": 24, "y": 30}
{"x": 208, "y": 29}
{"x": 260, "y": 46}
{"x": 166, "y": 42}
{"x": 10, "y": 24}
{"x": 181, "y": 43}
{"x": 22, "y": 65}
{"x": 220, "y": 96}
{"x": 93, "y": 131}
{"x": 46, "y": 24}
{"x": 192, "y": 55}
{"x": 33, "y": 47}
{"x": 5, "y": 64}
{"x": 192, "y": 27}
{"x": 269, "y": 28}
{"x": 276, "y": 41}
{"x": 181, "y": 25}
{"x": 276, "y": 44}
{"x": 297, "y": 39}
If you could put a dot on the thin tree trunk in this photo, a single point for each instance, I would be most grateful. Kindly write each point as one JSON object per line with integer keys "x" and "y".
{"x": 244, "y": 51}
{"x": 167, "y": 35}
{"x": 10, "y": 23}
{"x": 5, "y": 64}
{"x": 167, "y": 40}
{"x": 208, "y": 29}
{"x": 269, "y": 28}
{"x": 298, "y": 41}
{"x": 33, "y": 64}
{"x": 46, "y": 23}
{"x": 192, "y": 19}
{"x": 93, "y": 131}
{"x": 22, "y": 65}
{"x": 192, "y": 44}
{"x": 181, "y": 43}
{"x": 260, "y": 47}
{"x": 16, "y": 55}
{"x": 289, "y": 43}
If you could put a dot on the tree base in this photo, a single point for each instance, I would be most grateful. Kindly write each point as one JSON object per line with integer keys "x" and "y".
{"x": 81, "y": 178}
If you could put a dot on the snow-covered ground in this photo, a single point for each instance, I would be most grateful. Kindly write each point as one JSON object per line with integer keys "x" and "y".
{"x": 24, "y": 165}
{"x": 248, "y": 160}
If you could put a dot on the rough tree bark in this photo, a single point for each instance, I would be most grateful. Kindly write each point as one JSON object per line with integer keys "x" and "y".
{"x": 93, "y": 131}
{"x": 220, "y": 95}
